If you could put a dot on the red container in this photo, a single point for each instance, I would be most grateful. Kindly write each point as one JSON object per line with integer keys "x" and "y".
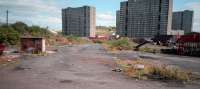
{"x": 2, "y": 48}
{"x": 189, "y": 44}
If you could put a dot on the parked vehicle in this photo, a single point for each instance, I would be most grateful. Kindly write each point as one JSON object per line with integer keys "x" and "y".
{"x": 2, "y": 48}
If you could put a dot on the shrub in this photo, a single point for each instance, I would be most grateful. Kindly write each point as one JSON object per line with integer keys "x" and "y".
{"x": 76, "y": 40}
{"x": 98, "y": 41}
{"x": 73, "y": 38}
{"x": 120, "y": 44}
{"x": 9, "y": 35}
{"x": 20, "y": 27}
{"x": 147, "y": 49}
{"x": 37, "y": 31}
{"x": 169, "y": 73}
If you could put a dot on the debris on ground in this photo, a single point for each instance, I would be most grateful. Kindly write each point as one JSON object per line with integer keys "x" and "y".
{"x": 19, "y": 68}
{"x": 66, "y": 81}
{"x": 141, "y": 69}
{"x": 117, "y": 70}
{"x": 10, "y": 51}
{"x": 9, "y": 58}
{"x": 50, "y": 52}
{"x": 4, "y": 60}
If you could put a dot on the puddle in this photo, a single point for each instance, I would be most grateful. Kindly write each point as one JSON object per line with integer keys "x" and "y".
{"x": 102, "y": 83}
{"x": 175, "y": 84}
{"x": 83, "y": 74}
{"x": 66, "y": 81}
{"x": 21, "y": 68}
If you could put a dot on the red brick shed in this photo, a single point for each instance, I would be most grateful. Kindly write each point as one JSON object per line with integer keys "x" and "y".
{"x": 32, "y": 44}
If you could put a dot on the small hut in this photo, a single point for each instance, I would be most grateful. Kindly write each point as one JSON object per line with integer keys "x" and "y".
{"x": 32, "y": 44}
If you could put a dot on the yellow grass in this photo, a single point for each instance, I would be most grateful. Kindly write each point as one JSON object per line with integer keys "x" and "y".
{"x": 120, "y": 44}
{"x": 152, "y": 70}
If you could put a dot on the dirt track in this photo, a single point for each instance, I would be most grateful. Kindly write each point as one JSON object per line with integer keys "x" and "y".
{"x": 78, "y": 67}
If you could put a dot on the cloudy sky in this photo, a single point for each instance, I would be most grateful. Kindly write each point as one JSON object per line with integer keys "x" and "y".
{"x": 48, "y": 12}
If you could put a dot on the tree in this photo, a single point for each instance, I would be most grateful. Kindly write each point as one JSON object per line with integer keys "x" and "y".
{"x": 9, "y": 35}
{"x": 39, "y": 32}
{"x": 20, "y": 27}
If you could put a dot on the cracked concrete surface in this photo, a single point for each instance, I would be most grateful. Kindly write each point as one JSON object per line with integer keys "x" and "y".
{"x": 77, "y": 67}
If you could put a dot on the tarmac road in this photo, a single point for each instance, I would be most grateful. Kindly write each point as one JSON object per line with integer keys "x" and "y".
{"x": 184, "y": 62}
{"x": 77, "y": 67}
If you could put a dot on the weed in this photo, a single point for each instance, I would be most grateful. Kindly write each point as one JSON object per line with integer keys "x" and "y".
{"x": 120, "y": 44}
{"x": 147, "y": 49}
{"x": 152, "y": 71}
{"x": 76, "y": 40}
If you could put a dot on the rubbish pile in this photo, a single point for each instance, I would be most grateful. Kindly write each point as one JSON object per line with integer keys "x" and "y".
{"x": 8, "y": 58}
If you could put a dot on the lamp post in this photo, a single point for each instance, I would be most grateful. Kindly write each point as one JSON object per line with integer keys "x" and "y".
{"x": 7, "y": 17}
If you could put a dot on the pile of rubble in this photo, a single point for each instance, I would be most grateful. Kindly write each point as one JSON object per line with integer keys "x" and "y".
{"x": 8, "y": 58}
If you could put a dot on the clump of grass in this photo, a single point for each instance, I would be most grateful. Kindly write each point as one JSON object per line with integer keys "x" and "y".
{"x": 36, "y": 54}
{"x": 152, "y": 71}
{"x": 147, "y": 49}
{"x": 168, "y": 73}
{"x": 76, "y": 40}
{"x": 41, "y": 54}
{"x": 58, "y": 40}
{"x": 72, "y": 38}
{"x": 99, "y": 41}
{"x": 120, "y": 44}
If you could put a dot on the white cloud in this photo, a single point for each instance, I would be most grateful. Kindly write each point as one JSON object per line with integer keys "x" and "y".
{"x": 196, "y": 7}
{"x": 193, "y": 6}
{"x": 105, "y": 16}
{"x": 34, "y": 12}
{"x": 54, "y": 20}
{"x": 42, "y": 12}
{"x": 29, "y": 5}
{"x": 106, "y": 19}
{"x": 49, "y": 19}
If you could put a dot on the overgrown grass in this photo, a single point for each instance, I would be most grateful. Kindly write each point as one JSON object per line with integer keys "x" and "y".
{"x": 147, "y": 49}
{"x": 152, "y": 71}
{"x": 168, "y": 73}
{"x": 99, "y": 41}
{"x": 11, "y": 34}
{"x": 76, "y": 40}
{"x": 120, "y": 44}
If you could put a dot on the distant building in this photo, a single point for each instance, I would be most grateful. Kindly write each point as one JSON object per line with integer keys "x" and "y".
{"x": 183, "y": 20}
{"x": 123, "y": 18}
{"x": 79, "y": 21}
{"x": 118, "y": 22}
{"x": 145, "y": 18}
